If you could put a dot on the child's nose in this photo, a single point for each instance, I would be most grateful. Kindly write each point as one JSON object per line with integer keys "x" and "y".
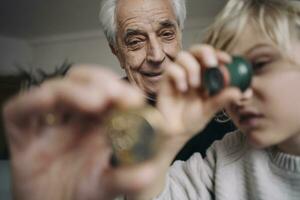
{"x": 247, "y": 95}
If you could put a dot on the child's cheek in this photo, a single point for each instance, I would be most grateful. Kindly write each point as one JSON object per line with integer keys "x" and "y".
{"x": 231, "y": 113}
{"x": 295, "y": 52}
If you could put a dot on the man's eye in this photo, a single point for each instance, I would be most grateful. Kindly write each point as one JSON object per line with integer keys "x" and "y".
{"x": 168, "y": 35}
{"x": 133, "y": 42}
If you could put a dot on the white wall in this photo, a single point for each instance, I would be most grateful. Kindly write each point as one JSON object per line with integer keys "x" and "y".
{"x": 85, "y": 47}
{"x": 14, "y": 52}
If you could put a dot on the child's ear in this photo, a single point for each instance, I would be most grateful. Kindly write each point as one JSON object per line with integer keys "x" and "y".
{"x": 295, "y": 51}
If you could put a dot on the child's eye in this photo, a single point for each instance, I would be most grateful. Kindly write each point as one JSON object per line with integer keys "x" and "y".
{"x": 259, "y": 66}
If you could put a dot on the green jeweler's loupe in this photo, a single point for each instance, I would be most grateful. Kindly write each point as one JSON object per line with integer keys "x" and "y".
{"x": 238, "y": 73}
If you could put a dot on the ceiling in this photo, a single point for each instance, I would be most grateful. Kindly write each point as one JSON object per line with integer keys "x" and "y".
{"x": 29, "y": 19}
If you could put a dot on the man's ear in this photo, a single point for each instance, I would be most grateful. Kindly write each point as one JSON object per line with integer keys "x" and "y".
{"x": 113, "y": 49}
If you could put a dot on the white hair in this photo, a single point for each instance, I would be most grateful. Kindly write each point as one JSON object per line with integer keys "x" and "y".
{"x": 107, "y": 17}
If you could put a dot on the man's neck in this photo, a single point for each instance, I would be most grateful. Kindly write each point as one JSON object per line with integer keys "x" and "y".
{"x": 151, "y": 99}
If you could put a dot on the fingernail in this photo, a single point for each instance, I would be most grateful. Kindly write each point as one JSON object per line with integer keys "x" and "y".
{"x": 211, "y": 60}
{"x": 182, "y": 86}
{"x": 195, "y": 81}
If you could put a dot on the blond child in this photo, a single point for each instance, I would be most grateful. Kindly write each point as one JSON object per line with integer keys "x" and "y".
{"x": 262, "y": 159}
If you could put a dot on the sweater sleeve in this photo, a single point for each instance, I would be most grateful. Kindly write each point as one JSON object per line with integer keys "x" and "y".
{"x": 192, "y": 179}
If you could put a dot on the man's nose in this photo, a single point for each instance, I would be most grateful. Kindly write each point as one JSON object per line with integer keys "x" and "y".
{"x": 155, "y": 51}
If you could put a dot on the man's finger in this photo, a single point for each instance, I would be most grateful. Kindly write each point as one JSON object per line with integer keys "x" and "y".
{"x": 131, "y": 179}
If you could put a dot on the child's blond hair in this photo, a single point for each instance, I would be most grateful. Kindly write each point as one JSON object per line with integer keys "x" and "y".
{"x": 278, "y": 20}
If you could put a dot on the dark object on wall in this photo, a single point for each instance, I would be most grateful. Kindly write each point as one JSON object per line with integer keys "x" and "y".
{"x": 35, "y": 78}
{"x": 11, "y": 85}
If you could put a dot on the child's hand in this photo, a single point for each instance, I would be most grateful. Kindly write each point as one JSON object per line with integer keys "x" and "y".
{"x": 183, "y": 101}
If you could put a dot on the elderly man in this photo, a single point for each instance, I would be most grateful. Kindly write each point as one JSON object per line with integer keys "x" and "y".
{"x": 146, "y": 36}
{"x": 58, "y": 145}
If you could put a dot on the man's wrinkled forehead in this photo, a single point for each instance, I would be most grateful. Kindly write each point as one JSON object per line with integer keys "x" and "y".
{"x": 139, "y": 12}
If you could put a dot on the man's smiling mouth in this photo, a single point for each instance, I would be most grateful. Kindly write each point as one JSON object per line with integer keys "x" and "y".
{"x": 152, "y": 74}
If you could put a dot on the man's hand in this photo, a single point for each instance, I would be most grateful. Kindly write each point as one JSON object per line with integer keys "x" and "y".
{"x": 58, "y": 145}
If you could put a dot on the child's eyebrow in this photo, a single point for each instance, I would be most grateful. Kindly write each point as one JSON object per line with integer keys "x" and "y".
{"x": 261, "y": 48}
{"x": 258, "y": 46}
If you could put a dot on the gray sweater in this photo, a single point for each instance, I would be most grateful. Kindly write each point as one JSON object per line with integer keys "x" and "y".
{"x": 233, "y": 170}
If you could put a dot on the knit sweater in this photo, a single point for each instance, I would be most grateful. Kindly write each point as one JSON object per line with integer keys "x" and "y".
{"x": 233, "y": 170}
